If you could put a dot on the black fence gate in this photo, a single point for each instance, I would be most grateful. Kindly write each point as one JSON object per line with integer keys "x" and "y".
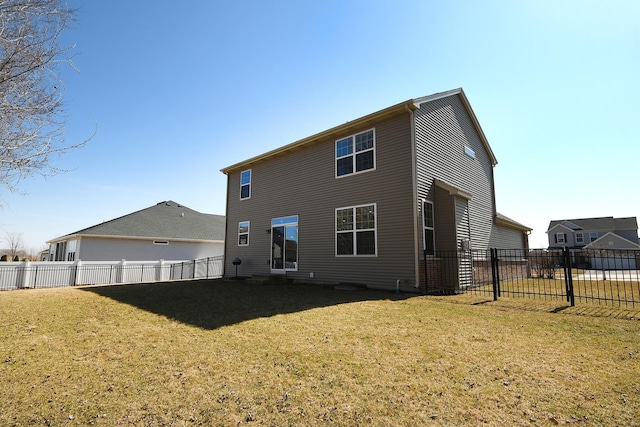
{"x": 594, "y": 276}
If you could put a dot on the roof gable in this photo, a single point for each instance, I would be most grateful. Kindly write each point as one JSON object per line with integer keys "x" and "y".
{"x": 165, "y": 220}
{"x": 472, "y": 115}
{"x": 561, "y": 225}
{"x": 612, "y": 241}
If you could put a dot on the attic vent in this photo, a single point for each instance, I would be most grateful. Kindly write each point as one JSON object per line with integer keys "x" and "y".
{"x": 469, "y": 152}
{"x": 160, "y": 242}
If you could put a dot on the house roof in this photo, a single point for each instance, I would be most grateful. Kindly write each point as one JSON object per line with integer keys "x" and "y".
{"x": 402, "y": 107}
{"x": 164, "y": 220}
{"x": 508, "y": 222}
{"x": 602, "y": 223}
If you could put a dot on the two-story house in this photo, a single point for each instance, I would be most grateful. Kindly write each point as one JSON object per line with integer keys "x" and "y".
{"x": 372, "y": 201}
{"x": 591, "y": 232}
{"x": 608, "y": 242}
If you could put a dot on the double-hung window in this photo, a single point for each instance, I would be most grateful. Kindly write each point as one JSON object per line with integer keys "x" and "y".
{"x": 356, "y": 231}
{"x": 561, "y": 238}
{"x": 593, "y": 236}
{"x": 243, "y": 233}
{"x": 579, "y": 238}
{"x": 245, "y": 184}
{"x": 355, "y": 153}
{"x": 429, "y": 237}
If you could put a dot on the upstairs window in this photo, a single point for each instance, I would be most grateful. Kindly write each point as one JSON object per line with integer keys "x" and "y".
{"x": 579, "y": 238}
{"x": 245, "y": 184}
{"x": 593, "y": 236}
{"x": 561, "y": 238}
{"x": 355, "y": 153}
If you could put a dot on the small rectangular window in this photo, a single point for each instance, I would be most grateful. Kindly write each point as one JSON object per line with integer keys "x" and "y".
{"x": 356, "y": 231}
{"x": 579, "y": 238}
{"x": 593, "y": 236}
{"x": 429, "y": 235}
{"x": 243, "y": 233}
{"x": 245, "y": 184}
{"x": 560, "y": 238}
{"x": 469, "y": 152}
{"x": 355, "y": 153}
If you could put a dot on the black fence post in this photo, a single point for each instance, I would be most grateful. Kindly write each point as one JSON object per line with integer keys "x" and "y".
{"x": 495, "y": 278}
{"x": 568, "y": 275}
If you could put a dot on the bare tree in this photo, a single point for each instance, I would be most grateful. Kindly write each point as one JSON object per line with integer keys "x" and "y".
{"x": 16, "y": 244}
{"x": 31, "y": 121}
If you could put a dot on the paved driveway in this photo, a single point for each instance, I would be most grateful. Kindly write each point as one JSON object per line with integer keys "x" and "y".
{"x": 622, "y": 275}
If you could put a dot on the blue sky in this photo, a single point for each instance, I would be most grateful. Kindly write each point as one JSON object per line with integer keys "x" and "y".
{"x": 179, "y": 90}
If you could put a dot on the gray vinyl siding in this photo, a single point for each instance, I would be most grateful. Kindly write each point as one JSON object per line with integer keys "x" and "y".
{"x": 103, "y": 249}
{"x": 303, "y": 183}
{"x": 445, "y": 220}
{"x": 631, "y": 235}
{"x": 507, "y": 238}
{"x": 462, "y": 219}
{"x": 443, "y": 129}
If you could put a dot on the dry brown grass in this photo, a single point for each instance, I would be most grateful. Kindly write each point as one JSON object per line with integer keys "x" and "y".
{"x": 225, "y": 353}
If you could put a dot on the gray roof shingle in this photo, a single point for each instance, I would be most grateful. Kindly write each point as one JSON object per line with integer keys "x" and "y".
{"x": 603, "y": 223}
{"x": 165, "y": 220}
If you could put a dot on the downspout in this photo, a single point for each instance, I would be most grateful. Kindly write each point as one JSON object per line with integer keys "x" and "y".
{"x": 414, "y": 189}
{"x": 226, "y": 239}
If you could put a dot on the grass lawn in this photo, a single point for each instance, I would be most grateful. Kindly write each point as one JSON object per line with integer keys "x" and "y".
{"x": 231, "y": 353}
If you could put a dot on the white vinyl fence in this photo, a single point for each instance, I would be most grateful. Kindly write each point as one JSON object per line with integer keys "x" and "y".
{"x": 53, "y": 274}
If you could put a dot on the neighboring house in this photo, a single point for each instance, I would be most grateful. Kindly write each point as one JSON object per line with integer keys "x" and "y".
{"x": 166, "y": 231}
{"x": 364, "y": 201}
{"x": 609, "y": 243}
{"x": 591, "y": 232}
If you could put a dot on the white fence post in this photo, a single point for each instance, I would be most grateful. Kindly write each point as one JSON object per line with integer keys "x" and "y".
{"x": 78, "y": 280}
{"x": 26, "y": 275}
{"x": 121, "y": 271}
{"x": 161, "y": 274}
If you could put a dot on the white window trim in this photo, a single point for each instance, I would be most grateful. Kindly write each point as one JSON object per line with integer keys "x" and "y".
{"x": 247, "y": 232}
{"x": 560, "y": 238}
{"x": 424, "y": 227}
{"x": 353, "y": 154}
{"x": 580, "y": 239}
{"x": 355, "y": 230}
{"x": 248, "y": 184}
{"x": 290, "y": 220}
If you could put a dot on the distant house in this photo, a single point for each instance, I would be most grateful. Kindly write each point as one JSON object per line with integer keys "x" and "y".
{"x": 608, "y": 242}
{"x": 166, "y": 230}
{"x": 371, "y": 200}
{"x": 592, "y": 232}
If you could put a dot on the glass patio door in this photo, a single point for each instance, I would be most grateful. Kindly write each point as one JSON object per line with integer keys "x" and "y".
{"x": 284, "y": 244}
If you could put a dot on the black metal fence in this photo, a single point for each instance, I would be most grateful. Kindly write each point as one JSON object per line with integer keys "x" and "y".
{"x": 51, "y": 274}
{"x": 577, "y": 276}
